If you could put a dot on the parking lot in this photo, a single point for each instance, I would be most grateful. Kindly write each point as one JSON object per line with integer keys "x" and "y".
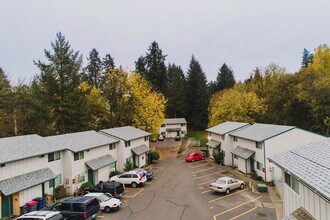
{"x": 180, "y": 190}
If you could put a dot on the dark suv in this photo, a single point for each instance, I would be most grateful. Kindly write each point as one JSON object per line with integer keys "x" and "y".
{"x": 77, "y": 208}
{"x": 114, "y": 188}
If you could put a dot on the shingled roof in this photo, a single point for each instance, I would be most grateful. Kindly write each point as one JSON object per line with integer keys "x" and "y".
{"x": 226, "y": 127}
{"x": 126, "y": 133}
{"x": 169, "y": 121}
{"x": 309, "y": 164}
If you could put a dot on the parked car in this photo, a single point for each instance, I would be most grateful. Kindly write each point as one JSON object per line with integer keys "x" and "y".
{"x": 107, "y": 202}
{"x": 160, "y": 137}
{"x": 42, "y": 215}
{"x": 77, "y": 208}
{"x": 149, "y": 174}
{"x": 114, "y": 188}
{"x": 177, "y": 138}
{"x": 134, "y": 178}
{"x": 192, "y": 157}
{"x": 226, "y": 184}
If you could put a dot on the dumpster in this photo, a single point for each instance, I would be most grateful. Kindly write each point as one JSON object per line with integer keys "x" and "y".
{"x": 32, "y": 205}
{"x": 262, "y": 188}
{"x": 24, "y": 209}
{"x": 40, "y": 204}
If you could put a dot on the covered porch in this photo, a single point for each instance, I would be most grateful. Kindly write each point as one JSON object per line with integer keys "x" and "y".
{"x": 242, "y": 159}
{"x": 213, "y": 147}
{"x": 140, "y": 155}
{"x": 100, "y": 168}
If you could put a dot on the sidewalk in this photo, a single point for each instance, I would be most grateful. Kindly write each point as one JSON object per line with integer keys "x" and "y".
{"x": 276, "y": 200}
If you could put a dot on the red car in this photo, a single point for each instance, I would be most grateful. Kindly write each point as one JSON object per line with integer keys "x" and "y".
{"x": 192, "y": 157}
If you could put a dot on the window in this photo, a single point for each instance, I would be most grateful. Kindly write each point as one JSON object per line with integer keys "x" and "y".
{"x": 79, "y": 155}
{"x": 182, "y": 125}
{"x": 235, "y": 156}
{"x": 259, "y": 145}
{"x": 78, "y": 207}
{"x": 41, "y": 156}
{"x": 81, "y": 178}
{"x": 259, "y": 166}
{"x": 181, "y": 132}
{"x": 292, "y": 182}
{"x": 113, "y": 166}
{"x": 65, "y": 207}
{"x": 129, "y": 159}
{"x": 146, "y": 138}
{"x": 51, "y": 183}
{"x": 112, "y": 146}
{"x": 127, "y": 143}
{"x": 54, "y": 156}
{"x": 163, "y": 125}
{"x": 58, "y": 180}
{"x": 3, "y": 165}
{"x": 235, "y": 138}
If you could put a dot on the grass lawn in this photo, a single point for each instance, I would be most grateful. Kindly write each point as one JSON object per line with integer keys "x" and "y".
{"x": 199, "y": 135}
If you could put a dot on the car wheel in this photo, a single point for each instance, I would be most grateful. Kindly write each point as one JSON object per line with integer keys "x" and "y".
{"x": 203, "y": 158}
{"x": 192, "y": 160}
{"x": 134, "y": 184}
{"x": 107, "y": 209}
{"x": 227, "y": 191}
{"x": 242, "y": 186}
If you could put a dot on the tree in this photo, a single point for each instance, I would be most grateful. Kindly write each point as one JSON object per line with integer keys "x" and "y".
{"x": 6, "y": 106}
{"x": 148, "y": 105}
{"x": 307, "y": 58}
{"x": 156, "y": 69}
{"x": 108, "y": 63}
{"x": 225, "y": 78}
{"x": 94, "y": 68}
{"x": 58, "y": 87}
{"x": 211, "y": 87}
{"x": 176, "y": 105}
{"x": 235, "y": 105}
{"x": 140, "y": 66}
{"x": 197, "y": 96}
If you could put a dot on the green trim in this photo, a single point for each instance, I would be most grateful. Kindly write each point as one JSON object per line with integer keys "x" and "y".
{"x": 278, "y": 134}
{"x": 245, "y": 167}
{"x": 248, "y": 125}
{"x": 311, "y": 132}
{"x": 264, "y": 145}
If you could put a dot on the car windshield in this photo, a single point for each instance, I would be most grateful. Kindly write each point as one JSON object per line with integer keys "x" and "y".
{"x": 104, "y": 197}
{"x": 221, "y": 181}
{"x": 190, "y": 155}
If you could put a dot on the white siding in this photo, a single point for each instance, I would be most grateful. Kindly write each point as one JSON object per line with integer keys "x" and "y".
{"x": 241, "y": 164}
{"x": 29, "y": 194}
{"x": 286, "y": 141}
{"x": 102, "y": 174}
{"x": 183, "y": 130}
{"x": 307, "y": 199}
{"x": 215, "y": 137}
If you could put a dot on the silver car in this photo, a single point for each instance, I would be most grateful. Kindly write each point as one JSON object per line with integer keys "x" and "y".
{"x": 226, "y": 184}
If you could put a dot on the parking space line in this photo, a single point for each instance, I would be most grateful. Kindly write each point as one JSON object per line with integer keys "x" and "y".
{"x": 157, "y": 167}
{"x": 206, "y": 191}
{"x": 203, "y": 170}
{"x": 216, "y": 172}
{"x": 134, "y": 194}
{"x": 228, "y": 195}
{"x": 221, "y": 213}
{"x": 204, "y": 183}
{"x": 237, "y": 216}
{"x": 192, "y": 167}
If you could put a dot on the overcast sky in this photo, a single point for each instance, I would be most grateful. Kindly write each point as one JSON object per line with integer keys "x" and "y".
{"x": 242, "y": 33}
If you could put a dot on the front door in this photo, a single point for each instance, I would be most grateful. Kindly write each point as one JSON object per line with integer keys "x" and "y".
{"x": 252, "y": 165}
{"x": 178, "y": 133}
{"x": 16, "y": 209}
{"x": 91, "y": 176}
{"x": 6, "y": 208}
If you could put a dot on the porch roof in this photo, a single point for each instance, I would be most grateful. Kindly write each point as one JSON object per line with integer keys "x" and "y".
{"x": 300, "y": 213}
{"x": 243, "y": 152}
{"x": 100, "y": 162}
{"x": 213, "y": 143}
{"x": 173, "y": 129}
{"x": 25, "y": 181}
{"x": 140, "y": 149}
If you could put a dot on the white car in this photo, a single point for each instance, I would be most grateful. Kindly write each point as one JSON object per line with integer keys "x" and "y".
{"x": 107, "y": 202}
{"x": 226, "y": 184}
{"x": 41, "y": 215}
{"x": 134, "y": 178}
{"x": 160, "y": 137}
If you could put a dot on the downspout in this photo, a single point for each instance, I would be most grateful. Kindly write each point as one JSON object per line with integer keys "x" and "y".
{"x": 264, "y": 146}
{"x": 245, "y": 167}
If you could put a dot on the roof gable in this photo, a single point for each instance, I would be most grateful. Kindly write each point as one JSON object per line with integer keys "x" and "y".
{"x": 226, "y": 127}
{"x": 260, "y": 132}
{"x": 174, "y": 121}
{"x": 126, "y": 133}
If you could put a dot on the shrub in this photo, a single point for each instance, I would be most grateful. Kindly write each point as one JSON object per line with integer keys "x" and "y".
{"x": 128, "y": 166}
{"x": 114, "y": 173}
{"x": 60, "y": 192}
{"x": 218, "y": 157}
{"x": 85, "y": 186}
{"x": 155, "y": 155}
{"x": 180, "y": 150}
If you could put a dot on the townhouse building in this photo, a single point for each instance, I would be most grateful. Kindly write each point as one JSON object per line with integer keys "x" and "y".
{"x": 305, "y": 172}
{"x": 172, "y": 127}
{"x": 133, "y": 145}
{"x": 219, "y": 140}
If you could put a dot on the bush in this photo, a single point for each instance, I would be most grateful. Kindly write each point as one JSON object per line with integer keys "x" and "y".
{"x": 218, "y": 157}
{"x": 85, "y": 186}
{"x": 60, "y": 192}
{"x": 153, "y": 155}
{"x": 113, "y": 173}
{"x": 180, "y": 150}
{"x": 128, "y": 166}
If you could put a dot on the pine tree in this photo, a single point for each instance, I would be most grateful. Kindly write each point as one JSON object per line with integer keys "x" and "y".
{"x": 94, "y": 68}
{"x": 156, "y": 69}
{"x": 197, "y": 97}
{"x": 176, "y": 105}
{"x": 58, "y": 88}
{"x": 108, "y": 63}
{"x": 225, "y": 78}
{"x": 307, "y": 58}
{"x": 140, "y": 66}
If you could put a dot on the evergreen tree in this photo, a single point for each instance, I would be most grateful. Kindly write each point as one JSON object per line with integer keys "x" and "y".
{"x": 58, "y": 88}
{"x": 197, "y": 97}
{"x": 156, "y": 69}
{"x": 307, "y": 58}
{"x": 108, "y": 63}
{"x": 225, "y": 78}
{"x": 211, "y": 87}
{"x": 176, "y": 105}
{"x": 94, "y": 68}
{"x": 140, "y": 66}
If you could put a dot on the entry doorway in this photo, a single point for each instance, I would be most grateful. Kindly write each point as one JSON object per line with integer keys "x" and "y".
{"x": 91, "y": 176}
{"x": 16, "y": 208}
{"x": 7, "y": 206}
